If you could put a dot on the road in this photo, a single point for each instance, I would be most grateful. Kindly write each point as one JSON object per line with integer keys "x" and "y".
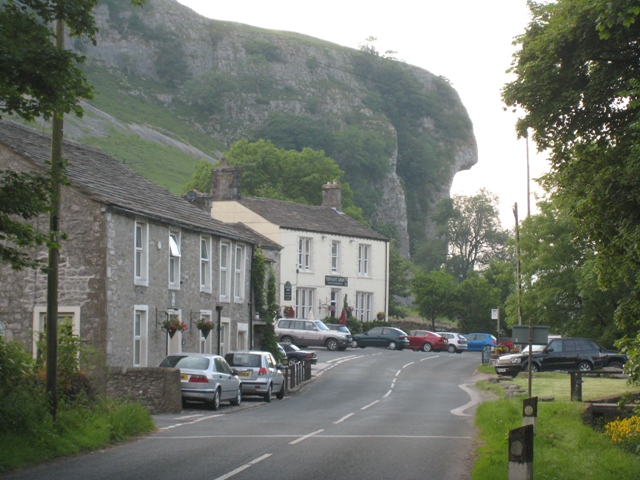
{"x": 368, "y": 414}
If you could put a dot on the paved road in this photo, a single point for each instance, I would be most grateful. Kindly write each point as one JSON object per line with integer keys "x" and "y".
{"x": 368, "y": 414}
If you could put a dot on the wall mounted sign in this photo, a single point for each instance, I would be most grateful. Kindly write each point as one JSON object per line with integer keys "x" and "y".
{"x": 336, "y": 281}
{"x": 287, "y": 291}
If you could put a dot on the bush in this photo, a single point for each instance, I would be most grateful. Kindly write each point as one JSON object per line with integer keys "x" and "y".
{"x": 626, "y": 432}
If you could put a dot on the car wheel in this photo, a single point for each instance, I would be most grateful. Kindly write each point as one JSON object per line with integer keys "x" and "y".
{"x": 267, "y": 396}
{"x": 215, "y": 402}
{"x": 280, "y": 394}
{"x": 332, "y": 344}
{"x": 426, "y": 347}
{"x": 238, "y": 400}
{"x": 293, "y": 361}
{"x": 584, "y": 366}
{"x": 354, "y": 344}
{"x": 287, "y": 340}
{"x": 451, "y": 349}
{"x": 392, "y": 345}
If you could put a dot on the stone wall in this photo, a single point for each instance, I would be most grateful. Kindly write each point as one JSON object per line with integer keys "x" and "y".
{"x": 156, "y": 389}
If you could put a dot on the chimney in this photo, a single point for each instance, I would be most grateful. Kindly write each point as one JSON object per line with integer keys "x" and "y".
{"x": 225, "y": 182}
{"x": 332, "y": 195}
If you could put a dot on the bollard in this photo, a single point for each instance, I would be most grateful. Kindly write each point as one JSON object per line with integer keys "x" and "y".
{"x": 576, "y": 386}
{"x": 521, "y": 453}
{"x": 530, "y": 412}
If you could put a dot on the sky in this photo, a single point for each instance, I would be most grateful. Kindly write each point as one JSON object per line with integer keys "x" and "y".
{"x": 467, "y": 41}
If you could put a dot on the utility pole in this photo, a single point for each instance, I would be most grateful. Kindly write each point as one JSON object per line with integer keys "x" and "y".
{"x": 519, "y": 282}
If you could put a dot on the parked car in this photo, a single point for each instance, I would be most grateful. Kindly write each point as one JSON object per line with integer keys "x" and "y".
{"x": 426, "y": 341}
{"x": 205, "y": 378}
{"x": 340, "y": 328}
{"x": 478, "y": 341}
{"x": 390, "y": 337}
{"x": 306, "y": 333}
{"x": 561, "y": 354}
{"x": 259, "y": 372}
{"x": 457, "y": 343}
{"x": 296, "y": 355}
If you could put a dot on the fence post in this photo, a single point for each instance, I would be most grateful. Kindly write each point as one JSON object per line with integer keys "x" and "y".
{"x": 521, "y": 453}
{"x": 576, "y": 386}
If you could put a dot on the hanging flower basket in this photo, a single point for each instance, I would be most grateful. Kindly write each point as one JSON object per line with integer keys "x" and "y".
{"x": 205, "y": 326}
{"x": 289, "y": 312}
{"x": 173, "y": 326}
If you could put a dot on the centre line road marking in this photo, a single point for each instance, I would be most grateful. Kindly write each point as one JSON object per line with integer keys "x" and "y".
{"x": 244, "y": 467}
{"x": 429, "y": 358}
{"x": 370, "y": 405}
{"x": 405, "y": 366}
{"x": 387, "y": 394}
{"x": 343, "y": 418}
{"x": 305, "y": 437}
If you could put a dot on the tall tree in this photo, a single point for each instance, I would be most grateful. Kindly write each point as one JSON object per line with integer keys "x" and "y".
{"x": 577, "y": 72}
{"x": 475, "y": 298}
{"x": 399, "y": 281}
{"x": 472, "y": 231}
{"x": 434, "y": 293}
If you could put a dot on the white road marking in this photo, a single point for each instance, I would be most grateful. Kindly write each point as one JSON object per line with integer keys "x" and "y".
{"x": 343, "y": 418}
{"x": 405, "y": 366}
{"x": 306, "y": 436}
{"x": 244, "y": 467}
{"x": 475, "y": 399}
{"x": 387, "y": 394}
{"x": 370, "y": 405}
{"x": 429, "y": 358}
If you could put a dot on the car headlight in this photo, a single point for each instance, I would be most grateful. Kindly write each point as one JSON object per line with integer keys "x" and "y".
{"x": 516, "y": 360}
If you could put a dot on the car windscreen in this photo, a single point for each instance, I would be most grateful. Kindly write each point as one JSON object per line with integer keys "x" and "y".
{"x": 321, "y": 325}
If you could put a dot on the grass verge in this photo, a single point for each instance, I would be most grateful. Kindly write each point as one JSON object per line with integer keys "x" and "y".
{"x": 564, "y": 447}
{"x": 76, "y": 430}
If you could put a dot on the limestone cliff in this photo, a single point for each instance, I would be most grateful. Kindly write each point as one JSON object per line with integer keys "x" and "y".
{"x": 399, "y": 132}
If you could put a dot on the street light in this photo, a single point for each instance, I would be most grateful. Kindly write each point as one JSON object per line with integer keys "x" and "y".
{"x": 219, "y": 309}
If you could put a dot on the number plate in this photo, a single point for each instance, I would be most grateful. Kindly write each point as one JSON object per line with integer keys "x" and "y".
{"x": 245, "y": 374}
{"x": 184, "y": 378}
{"x": 501, "y": 370}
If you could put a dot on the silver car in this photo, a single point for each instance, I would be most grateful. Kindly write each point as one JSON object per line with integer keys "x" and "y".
{"x": 457, "y": 342}
{"x": 206, "y": 378}
{"x": 259, "y": 372}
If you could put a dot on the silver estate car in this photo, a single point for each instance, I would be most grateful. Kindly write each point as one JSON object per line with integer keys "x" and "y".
{"x": 259, "y": 372}
{"x": 205, "y": 378}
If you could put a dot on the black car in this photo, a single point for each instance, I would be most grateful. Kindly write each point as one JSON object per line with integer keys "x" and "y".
{"x": 296, "y": 355}
{"x": 389, "y": 337}
{"x": 562, "y": 354}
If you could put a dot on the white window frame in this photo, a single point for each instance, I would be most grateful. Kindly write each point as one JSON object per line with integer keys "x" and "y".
{"x": 238, "y": 273}
{"x": 175, "y": 343}
{"x": 205, "y": 264}
{"x": 141, "y": 253}
{"x": 364, "y": 304}
{"x": 305, "y": 254}
{"x": 225, "y": 251}
{"x": 364, "y": 260}
{"x": 204, "y": 344}
{"x": 225, "y": 335}
{"x": 140, "y": 338}
{"x": 39, "y": 315}
{"x": 304, "y": 302}
{"x": 335, "y": 256}
{"x": 175, "y": 242}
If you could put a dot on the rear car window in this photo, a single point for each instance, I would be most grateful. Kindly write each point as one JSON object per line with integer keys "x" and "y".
{"x": 284, "y": 324}
{"x": 243, "y": 360}
{"x": 195, "y": 363}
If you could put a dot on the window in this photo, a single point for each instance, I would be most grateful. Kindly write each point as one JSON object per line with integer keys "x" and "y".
{"x": 40, "y": 322}
{"x": 363, "y": 260}
{"x": 363, "y": 306}
{"x": 335, "y": 256}
{"x": 304, "y": 254}
{"x": 205, "y": 264}
{"x": 174, "y": 260}
{"x": 304, "y": 302}
{"x": 141, "y": 254}
{"x": 238, "y": 275}
{"x": 140, "y": 330}
{"x": 224, "y": 271}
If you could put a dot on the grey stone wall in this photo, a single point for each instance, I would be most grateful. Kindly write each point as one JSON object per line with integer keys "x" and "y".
{"x": 156, "y": 389}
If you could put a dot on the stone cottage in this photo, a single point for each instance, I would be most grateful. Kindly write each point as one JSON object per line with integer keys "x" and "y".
{"x": 136, "y": 256}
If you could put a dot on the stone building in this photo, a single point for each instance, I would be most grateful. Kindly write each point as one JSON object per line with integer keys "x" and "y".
{"x": 136, "y": 255}
{"x": 325, "y": 254}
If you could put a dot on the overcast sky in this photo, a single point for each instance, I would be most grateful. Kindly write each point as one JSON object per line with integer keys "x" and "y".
{"x": 467, "y": 41}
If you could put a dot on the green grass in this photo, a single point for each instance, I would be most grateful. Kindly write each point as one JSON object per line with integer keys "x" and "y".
{"x": 564, "y": 447}
{"x": 75, "y": 430}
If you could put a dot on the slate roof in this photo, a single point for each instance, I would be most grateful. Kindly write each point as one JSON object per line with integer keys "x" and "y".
{"x": 311, "y": 218}
{"x": 105, "y": 180}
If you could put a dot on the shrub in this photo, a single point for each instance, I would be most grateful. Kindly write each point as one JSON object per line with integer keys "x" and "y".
{"x": 626, "y": 432}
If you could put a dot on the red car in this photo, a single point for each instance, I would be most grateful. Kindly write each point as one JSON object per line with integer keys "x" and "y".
{"x": 427, "y": 341}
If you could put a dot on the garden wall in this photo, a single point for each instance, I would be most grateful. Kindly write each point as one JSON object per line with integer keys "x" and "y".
{"x": 156, "y": 389}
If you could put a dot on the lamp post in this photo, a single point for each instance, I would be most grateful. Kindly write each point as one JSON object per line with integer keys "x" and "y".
{"x": 219, "y": 309}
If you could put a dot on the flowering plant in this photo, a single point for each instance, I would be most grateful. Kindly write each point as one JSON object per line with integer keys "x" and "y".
{"x": 349, "y": 309}
{"x": 289, "y": 312}
{"x": 331, "y": 309}
{"x": 173, "y": 326}
{"x": 205, "y": 325}
{"x": 380, "y": 316}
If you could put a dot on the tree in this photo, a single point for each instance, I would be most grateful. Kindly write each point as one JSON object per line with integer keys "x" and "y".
{"x": 399, "y": 283}
{"x": 475, "y": 298}
{"x": 472, "y": 231}
{"x": 577, "y": 73}
{"x": 434, "y": 293}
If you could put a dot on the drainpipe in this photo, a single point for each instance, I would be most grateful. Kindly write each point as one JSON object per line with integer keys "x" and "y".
{"x": 250, "y": 304}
